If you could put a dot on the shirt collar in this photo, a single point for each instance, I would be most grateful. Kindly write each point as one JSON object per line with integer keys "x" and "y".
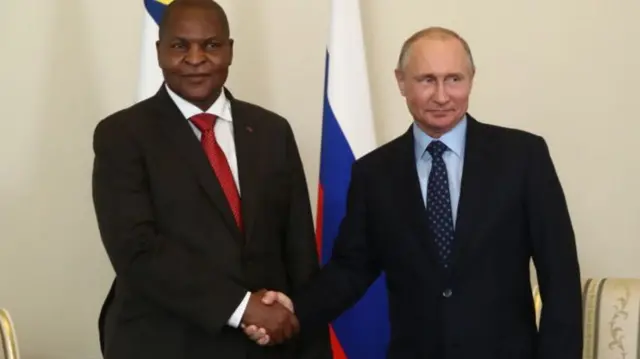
{"x": 221, "y": 108}
{"x": 454, "y": 139}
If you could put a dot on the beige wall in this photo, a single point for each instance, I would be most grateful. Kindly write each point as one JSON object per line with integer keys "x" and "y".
{"x": 565, "y": 69}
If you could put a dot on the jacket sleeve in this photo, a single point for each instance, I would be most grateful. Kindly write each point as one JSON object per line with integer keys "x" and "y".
{"x": 555, "y": 258}
{"x": 352, "y": 267}
{"x": 152, "y": 265}
{"x": 301, "y": 254}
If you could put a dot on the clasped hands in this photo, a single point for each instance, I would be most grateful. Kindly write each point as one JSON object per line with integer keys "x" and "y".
{"x": 269, "y": 318}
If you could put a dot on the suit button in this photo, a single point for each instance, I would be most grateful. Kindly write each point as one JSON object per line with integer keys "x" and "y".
{"x": 447, "y": 293}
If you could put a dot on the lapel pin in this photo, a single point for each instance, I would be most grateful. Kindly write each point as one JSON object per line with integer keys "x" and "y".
{"x": 249, "y": 128}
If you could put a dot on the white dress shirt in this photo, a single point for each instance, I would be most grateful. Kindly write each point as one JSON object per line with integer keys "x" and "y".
{"x": 223, "y": 130}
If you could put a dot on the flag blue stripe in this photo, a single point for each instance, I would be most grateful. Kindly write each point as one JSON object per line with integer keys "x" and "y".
{"x": 336, "y": 159}
{"x": 155, "y": 9}
{"x": 363, "y": 330}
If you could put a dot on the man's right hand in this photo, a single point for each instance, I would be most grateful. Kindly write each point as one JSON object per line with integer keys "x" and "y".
{"x": 275, "y": 320}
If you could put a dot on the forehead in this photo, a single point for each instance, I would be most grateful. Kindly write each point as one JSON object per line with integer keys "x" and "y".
{"x": 195, "y": 21}
{"x": 438, "y": 56}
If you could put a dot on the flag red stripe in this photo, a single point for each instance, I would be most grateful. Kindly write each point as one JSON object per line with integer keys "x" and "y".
{"x": 320, "y": 211}
{"x": 338, "y": 352}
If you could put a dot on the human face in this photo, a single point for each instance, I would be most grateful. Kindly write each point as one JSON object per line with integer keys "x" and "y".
{"x": 195, "y": 53}
{"x": 436, "y": 81}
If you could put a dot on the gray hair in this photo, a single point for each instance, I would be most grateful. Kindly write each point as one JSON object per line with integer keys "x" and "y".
{"x": 437, "y": 33}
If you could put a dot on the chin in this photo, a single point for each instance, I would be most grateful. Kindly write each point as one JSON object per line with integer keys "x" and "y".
{"x": 442, "y": 123}
{"x": 198, "y": 95}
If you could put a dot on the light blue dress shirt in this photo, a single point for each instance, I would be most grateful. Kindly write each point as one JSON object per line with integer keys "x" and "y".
{"x": 453, "y": 159}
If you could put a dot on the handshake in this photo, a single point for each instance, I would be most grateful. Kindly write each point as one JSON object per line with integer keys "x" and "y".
{"x": 269, "y": 318}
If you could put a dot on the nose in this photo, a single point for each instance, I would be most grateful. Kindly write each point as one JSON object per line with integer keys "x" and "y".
{"x": 441, "y": 96}
{"x": 195, "y": 56}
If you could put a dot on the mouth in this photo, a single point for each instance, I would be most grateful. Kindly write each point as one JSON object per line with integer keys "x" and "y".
{"x": 195, "y": 76}
{"x": 440, "y": 113}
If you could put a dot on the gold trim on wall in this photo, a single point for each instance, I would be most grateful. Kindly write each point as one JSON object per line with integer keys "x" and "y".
{"x": 9, "y": 342}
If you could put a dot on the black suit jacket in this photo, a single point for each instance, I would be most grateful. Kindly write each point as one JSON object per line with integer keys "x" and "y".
{"x": 511, "y": 208}
{"x": 182, "y": 265}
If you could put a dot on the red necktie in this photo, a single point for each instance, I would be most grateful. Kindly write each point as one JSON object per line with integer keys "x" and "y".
{"x": 218, "y": 161}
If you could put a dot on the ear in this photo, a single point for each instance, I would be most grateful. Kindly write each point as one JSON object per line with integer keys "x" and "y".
{"x": 400, "y": 79}
{"x": 231, "y": 51}
{"x": 158, "y": 51}
{"x": 473, "y": 75}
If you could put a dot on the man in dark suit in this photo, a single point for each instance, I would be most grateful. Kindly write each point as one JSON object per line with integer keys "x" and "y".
{"x": 452, "y": 211}
{"x": 201, "y": 202}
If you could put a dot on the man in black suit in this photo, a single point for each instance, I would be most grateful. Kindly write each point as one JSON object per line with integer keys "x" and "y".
{"x": 452, "y": 211}
{"x": 201, "y": 202}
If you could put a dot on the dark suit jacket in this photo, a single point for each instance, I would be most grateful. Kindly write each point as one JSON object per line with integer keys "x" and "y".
{"x": 511, "y": 208}
{"x": 182, "y": 265}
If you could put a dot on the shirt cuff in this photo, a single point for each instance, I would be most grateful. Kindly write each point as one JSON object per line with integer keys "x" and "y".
{"x": 236, "y": 317}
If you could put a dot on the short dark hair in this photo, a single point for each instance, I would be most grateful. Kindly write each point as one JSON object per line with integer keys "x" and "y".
{"x": 202, "y": 4}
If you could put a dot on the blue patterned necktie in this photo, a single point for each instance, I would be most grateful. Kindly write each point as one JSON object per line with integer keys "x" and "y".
{"x": 439, "y": 202}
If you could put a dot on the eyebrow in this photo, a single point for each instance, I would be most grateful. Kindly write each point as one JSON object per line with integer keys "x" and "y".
{"x": 432, "y": 74}
{"x": 184, "y": 38}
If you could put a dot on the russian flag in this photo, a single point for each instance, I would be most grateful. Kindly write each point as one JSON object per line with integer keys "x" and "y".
{"x": 150, "y": 75}
{"x": 347, "y": 134}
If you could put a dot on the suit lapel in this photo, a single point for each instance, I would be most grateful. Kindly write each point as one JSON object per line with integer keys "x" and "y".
{"x": 180, "y": 134}
{"x": 246, "y": 131}
{"x": 411, "y": 201}
{"x": 478, "y": 178}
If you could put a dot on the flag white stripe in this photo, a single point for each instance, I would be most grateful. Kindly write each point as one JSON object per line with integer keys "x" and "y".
{"x": 348, "y": 84}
